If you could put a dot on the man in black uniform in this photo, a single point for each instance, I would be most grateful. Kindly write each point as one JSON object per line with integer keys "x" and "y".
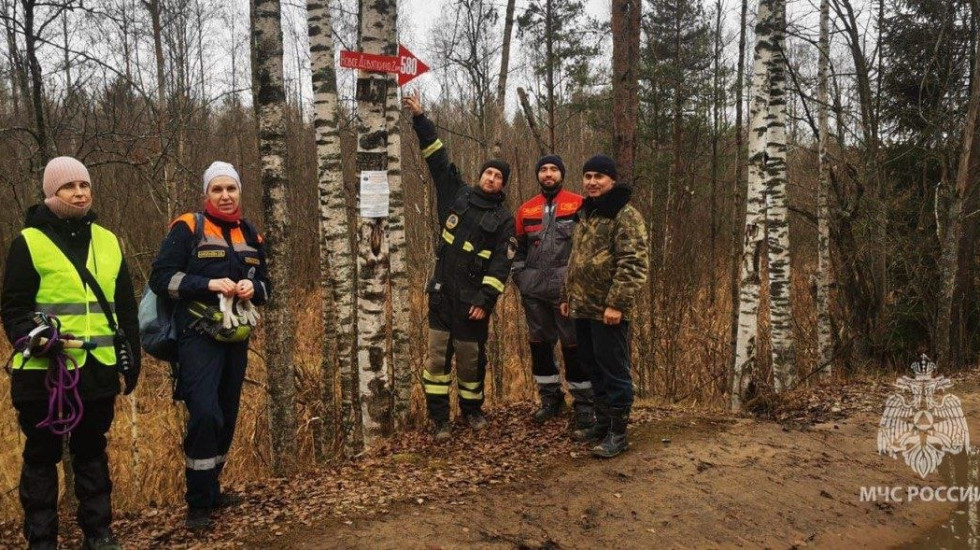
{"x": 476, "y": 247}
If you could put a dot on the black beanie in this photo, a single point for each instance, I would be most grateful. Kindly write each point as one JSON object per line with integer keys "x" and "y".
{"x": 499, "y": 165}
{"x": 551, "y": 159}
{"x": 601, "y": 164}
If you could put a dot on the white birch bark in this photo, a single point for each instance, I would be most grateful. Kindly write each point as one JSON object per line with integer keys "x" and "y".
{"x": 377, "y": 30}
{"x": 777, "y": 220}
{"x": 270, "y": 103}
{"x": 401, "y": 368}
{"x": 750, "y": 273}
{"x": 824, "y": 274}
{"x": 337, "y": 268}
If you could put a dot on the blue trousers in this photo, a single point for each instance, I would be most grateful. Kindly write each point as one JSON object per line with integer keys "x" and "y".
{"x": 604, "y": 352}
{"x": 210, "y": 384}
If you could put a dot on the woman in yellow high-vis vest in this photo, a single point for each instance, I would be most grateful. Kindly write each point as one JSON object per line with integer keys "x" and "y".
{"x": 40, "y": 277}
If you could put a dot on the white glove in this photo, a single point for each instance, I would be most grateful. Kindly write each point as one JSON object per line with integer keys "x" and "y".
{"x": 225, "y": 304}
{"x": 247, "y": 312}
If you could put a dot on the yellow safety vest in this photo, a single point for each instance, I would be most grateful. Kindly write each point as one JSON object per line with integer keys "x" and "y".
{"x": 63, "y": 293}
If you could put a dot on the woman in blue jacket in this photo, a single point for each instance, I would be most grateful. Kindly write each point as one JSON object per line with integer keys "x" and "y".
{"x": 199, "y": 269}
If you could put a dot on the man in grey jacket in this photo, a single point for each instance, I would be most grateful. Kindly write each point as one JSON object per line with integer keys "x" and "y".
{"x": 544, "y": 242}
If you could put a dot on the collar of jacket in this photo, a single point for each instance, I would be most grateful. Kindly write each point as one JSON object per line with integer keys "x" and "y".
{"x": 40, "y": 216}
{"x": 609, "y": 204}
{"x": 221, "y": 223}
{"x": 550, "y": 193}
{"x": 486, "y": 201}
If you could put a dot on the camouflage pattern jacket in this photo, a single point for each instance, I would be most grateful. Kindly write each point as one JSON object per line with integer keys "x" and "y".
{"x": 609, "y": 262}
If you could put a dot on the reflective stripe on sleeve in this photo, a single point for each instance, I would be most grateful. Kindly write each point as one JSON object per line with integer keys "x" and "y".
{"x": 494, "y": 282}
{"x": 173, "y": 287}
{"x": 428, "y": 151}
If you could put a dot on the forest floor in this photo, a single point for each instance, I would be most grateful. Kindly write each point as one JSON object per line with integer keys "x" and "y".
{"x": 691, "y": 479}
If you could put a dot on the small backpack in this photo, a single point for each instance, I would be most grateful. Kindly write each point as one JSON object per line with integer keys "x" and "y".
{"x": 158, "y": 333}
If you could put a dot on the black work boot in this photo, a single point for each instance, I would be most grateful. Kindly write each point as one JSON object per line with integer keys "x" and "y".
{"x": 615, "y": 441}
{"x": 198, "y": 519}
{"x": 39, "y": 499}
{"x": 441, "y": 430}
{"x": 547, "y": 411}
{"x": 228, "y": 500}
{"x": 552, "y": 401}
{"x": 477, "y": 421}
{"x": 103, "y": 542}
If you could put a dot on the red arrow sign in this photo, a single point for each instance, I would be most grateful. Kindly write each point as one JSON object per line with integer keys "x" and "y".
{"x": 405, "y": 64}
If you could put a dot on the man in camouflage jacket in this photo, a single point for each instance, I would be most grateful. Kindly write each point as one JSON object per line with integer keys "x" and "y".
{"x": 607, "y": 268}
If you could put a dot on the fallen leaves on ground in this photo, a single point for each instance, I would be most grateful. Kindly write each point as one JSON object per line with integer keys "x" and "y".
{"x": 406, "y": 468}
{"x": 410, "y": 468}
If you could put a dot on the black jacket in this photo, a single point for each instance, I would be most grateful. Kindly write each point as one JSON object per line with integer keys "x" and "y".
{"x": 183, "y": 267}
{"x": 472, "y": 222}
{"x": 17, "y": 303}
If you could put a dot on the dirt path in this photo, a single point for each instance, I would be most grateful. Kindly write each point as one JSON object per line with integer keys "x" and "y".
{"x": 690, "y": 480}
{"x": 716, "y": 483}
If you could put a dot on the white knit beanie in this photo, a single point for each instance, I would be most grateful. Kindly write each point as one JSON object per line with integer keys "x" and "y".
{"x": 219, "y": 168}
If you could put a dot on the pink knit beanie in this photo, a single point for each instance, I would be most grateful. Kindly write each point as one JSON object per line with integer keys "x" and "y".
{"x": 62, "y": 170}
{"x": 59, "y": 171}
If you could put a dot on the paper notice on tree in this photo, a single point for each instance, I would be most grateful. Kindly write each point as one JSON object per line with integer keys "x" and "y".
{"x": 374, "y": 194}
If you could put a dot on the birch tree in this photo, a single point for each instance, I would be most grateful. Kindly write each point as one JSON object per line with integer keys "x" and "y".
{"x": 401, "y": 373}
{"x": 750, "y": 279}
{"x": 337, "y": 268}
{"x": 777, "y": 223}
{"x": 377, "y": 24}
{"x": 270, "y": 103}
{"x": 737, "y": 216}
{"x": 824, "y": 275}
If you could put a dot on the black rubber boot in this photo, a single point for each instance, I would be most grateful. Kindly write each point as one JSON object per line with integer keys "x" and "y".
{"x": 584, "y": 407}
{"x": 597, "y": 431}
{"x": 615, "y": 441}
{"x": 39, "y": 498}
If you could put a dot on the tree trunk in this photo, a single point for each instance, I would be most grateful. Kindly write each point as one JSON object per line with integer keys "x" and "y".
{"x": 270, "y": 103}
{"x": 162, "y": 111}
{"x": 952, "y": 237}
{"x": 777, "y": 219}
{"x": 825, "y": 350}
{"x": 737, "y": 216}
{"x": 626, "y": 107}
{"x": 401, "y": 367}
{"x": 871, "y": 310}
{"x": 377, "y": 24}
{"x": 20, "y": 86}
{"x": 501, "y": 104}
{"x": 37, "y": 85}
{"x": 529, "y": 116}
{"x": 715, "y": 130}
{"x": 549, "y": 42}
{"x": 337, "y": 269}
{"x": 755, "y": 213}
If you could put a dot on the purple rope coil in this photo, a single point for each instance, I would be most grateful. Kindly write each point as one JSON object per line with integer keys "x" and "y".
{"x": 65, "y": 407}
